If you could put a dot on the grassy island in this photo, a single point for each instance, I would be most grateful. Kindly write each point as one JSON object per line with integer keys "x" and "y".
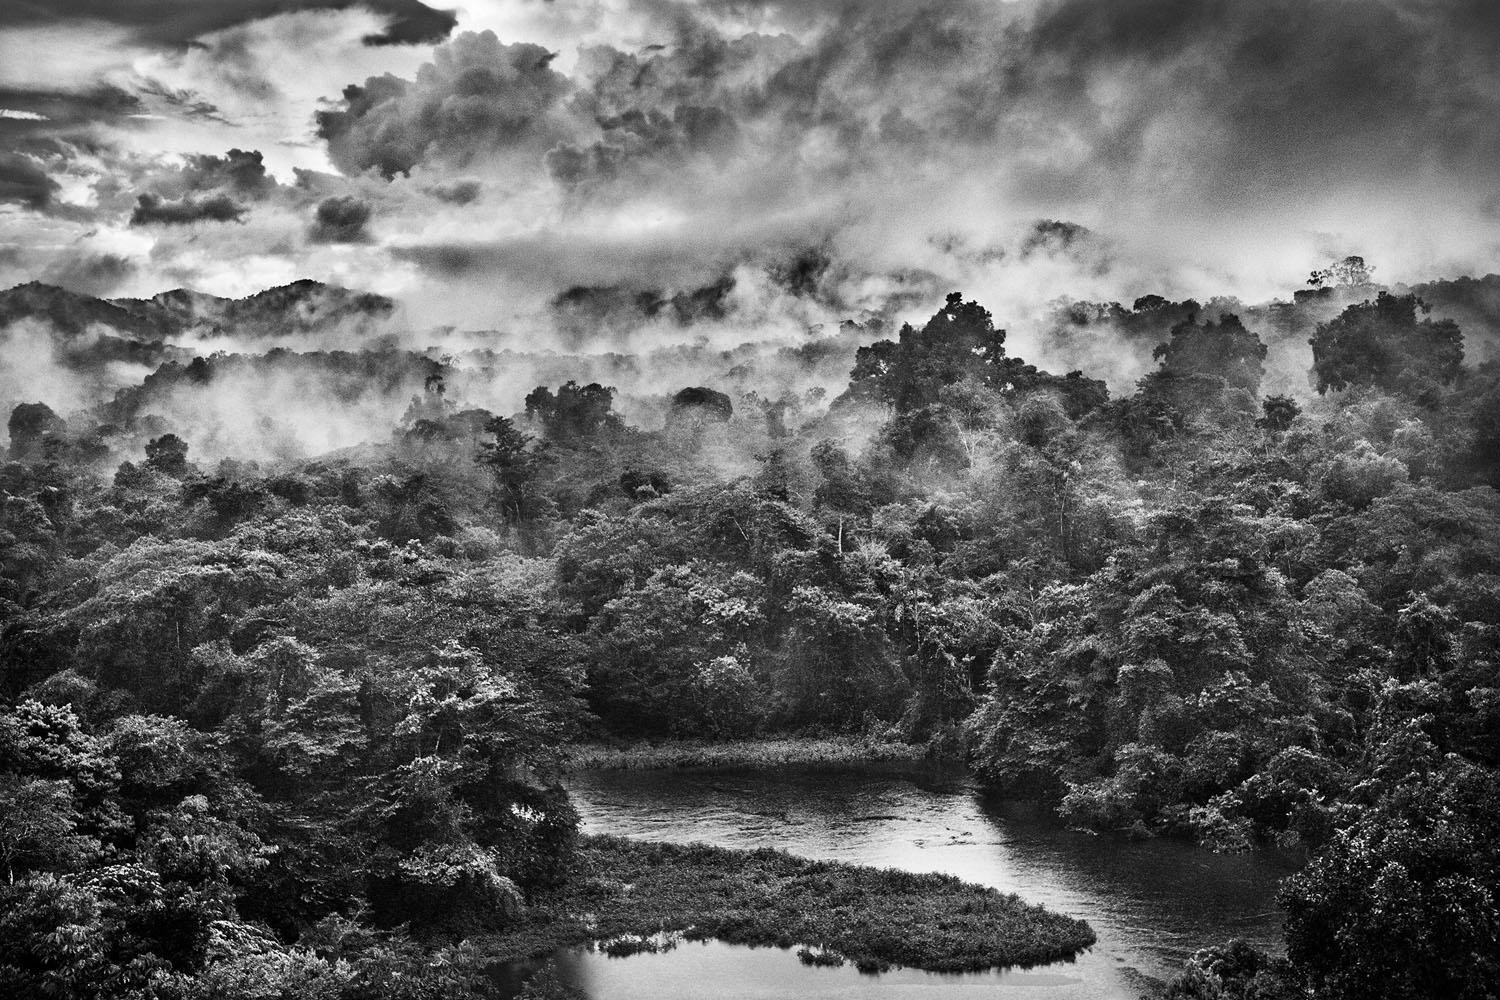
{"x": 789, "y": 750}
{"x": 625, "y": 893}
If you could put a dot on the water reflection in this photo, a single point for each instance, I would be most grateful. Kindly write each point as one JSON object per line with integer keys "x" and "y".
{"x": 1150, "y": 902}
{"x": 713, "y": 969}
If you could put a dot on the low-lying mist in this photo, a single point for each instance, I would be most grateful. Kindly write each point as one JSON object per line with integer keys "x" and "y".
{"x": 306, "y": 369}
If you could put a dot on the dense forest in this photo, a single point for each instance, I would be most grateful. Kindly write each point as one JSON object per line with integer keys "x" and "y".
{"x": 282, "y": 724}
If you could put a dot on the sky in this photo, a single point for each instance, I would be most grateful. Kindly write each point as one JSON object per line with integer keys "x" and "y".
{"x": 509, "y": 162}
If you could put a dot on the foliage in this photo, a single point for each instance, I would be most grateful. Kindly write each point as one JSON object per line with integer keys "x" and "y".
{"x": 293, "y": 728}
{"x": 574, "y": 412}
{"x": 721, "y": 753}
{"x": 1403, "y": 902}
{"x": 1235, "y": 971}
{"x": 1224, "y": 350}
{"x": 871, "y": 917}
{"x": 1383, "y": 344}
{"x": 1350, "y": 271}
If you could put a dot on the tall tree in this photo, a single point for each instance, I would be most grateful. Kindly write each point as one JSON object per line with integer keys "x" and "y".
{"x": 1383, "y": 344}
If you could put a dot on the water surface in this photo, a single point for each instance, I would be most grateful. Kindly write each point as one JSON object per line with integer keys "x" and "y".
{"x": 1151, "y": 903}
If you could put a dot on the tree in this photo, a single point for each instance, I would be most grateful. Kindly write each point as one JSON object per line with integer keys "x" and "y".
{"x": 1278, "y": 413}
{"x": 669, "y": 655}
{"x": 908, "y": 373}
{"x": 49, "y": 744}
{"x": 959, "y": 342}
{"x": 1159, "y": 682}
{"x": 702, "y": 403}
{"x": 844, "y": 489}
{"x": 515, "y": 465}
{"x": 1350, "y": 271}
{"x": 839, "y": 663}
{"x": 1383, "y": 344}
{"x": 167, "y": 455}
{"x": 30, "y": 425}
{"x": 1225, "y": 350}
{"x": 156, "y": 601}
{"x": 1235, "y": 971}
{"x": 1402, "y": 903}
{"x": 575, "y": 412}
{"x": 29, "y": 546}
{"x": 37, "y": 826}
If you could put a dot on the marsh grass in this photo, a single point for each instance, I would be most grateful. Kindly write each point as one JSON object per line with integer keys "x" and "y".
{"x": 628, "y": 891}
{"x": 740, "y": 753}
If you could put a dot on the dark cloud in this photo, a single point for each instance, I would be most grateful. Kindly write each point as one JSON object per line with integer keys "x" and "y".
{"x": 899, "y": 138}
{"x": 1311, "y": 94}
{"x": 804, "y": 270}
{"x": 885, "y": 78}
{"x": 619, "y": 114}
{"x": 462, "y": 192}
{"x": 151, "y": 210}
{"x": 184, "y": 103}
{"x": 454, "y": 260}
{"x": 24, "y": 182}
{"x": 340, "y": 220}
{"x": 61, "y": 111}
{"x": 559, "y": 260}
{"x": 571, "y": 165}
{"x": 318, "y": 183}
{"x": 477, "y": 96}
{"x": 411, "y": 23}
{"x": 90, "y": 274}
{"x": 638, "y": 136}
{"x": 202, "y": 185}
{"x": 1220, "y": 100}
{"x": 239, "y": 170}
{"x": 174, "y": 22}
{"x": 701, "y": 67}
{"x": 640, "y": 117}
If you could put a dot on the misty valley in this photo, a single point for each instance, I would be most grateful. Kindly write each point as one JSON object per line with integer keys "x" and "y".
{"x": 327, "y": 674}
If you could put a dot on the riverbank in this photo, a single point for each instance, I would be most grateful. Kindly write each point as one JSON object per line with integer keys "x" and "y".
{"x": 794, "y": 750}
{"x": 629, "y": 894}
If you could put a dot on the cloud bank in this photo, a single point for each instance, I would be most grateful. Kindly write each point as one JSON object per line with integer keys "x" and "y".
{"x": 591, "y": 153}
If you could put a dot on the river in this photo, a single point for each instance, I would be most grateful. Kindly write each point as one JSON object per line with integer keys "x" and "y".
{"x": 1151, "y": 903}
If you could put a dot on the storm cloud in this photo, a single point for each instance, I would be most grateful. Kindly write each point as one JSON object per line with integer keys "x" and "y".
{"x": 477, "y": 96}
{"x": 24, "y": 182}
{"x": 1321, "y": 94}
{"x": 90, "y": 274}
{"x": 1147, "y": 124}
{"x": 340, "y": 220}
{"x": 241, "y": 171}
{"x": 409, "y": 22}
{"x": 151, "y": 210}
{"x": 1021, "y": 151}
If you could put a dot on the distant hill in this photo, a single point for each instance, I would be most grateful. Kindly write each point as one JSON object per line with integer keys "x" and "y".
{"x": 304, "y": 306}
{"x": 80, "y": 332}
{"x": 70, "y": 314}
